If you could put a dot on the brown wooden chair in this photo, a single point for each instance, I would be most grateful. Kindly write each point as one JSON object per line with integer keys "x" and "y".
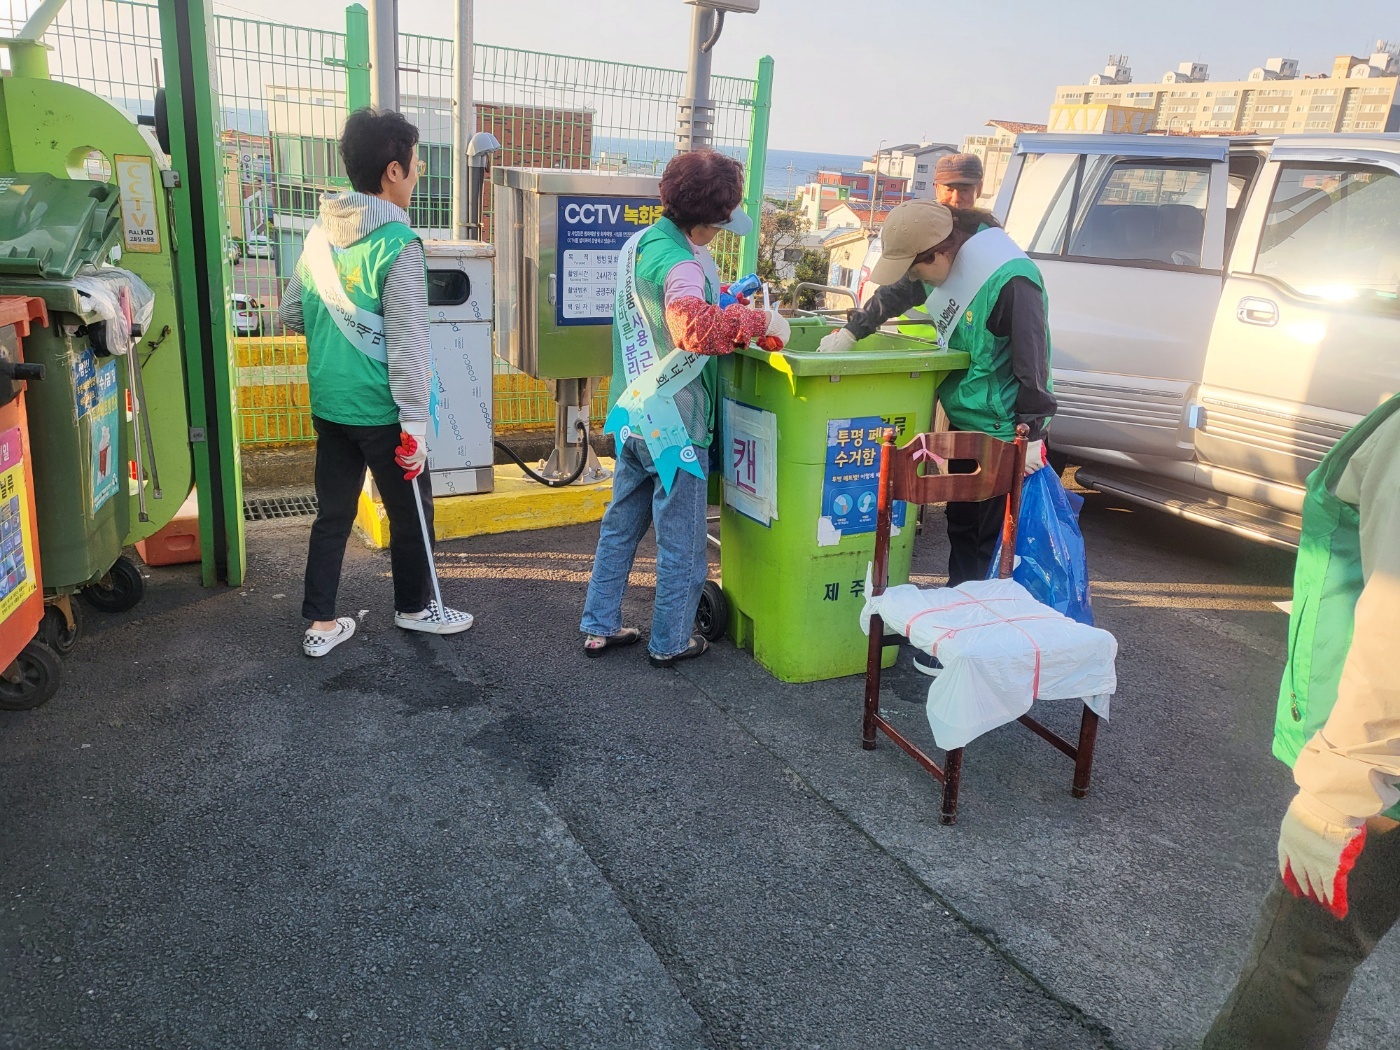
{"x": 1001, "y": 465}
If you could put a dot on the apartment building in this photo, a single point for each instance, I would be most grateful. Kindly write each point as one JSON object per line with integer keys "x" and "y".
{"x": 1358, "y": 95}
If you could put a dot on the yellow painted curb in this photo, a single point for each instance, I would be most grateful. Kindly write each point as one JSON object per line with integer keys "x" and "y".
{"x": 516, "y": 505}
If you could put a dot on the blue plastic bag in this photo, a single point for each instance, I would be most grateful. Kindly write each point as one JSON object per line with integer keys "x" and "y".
{"x": 1050, "y": 548}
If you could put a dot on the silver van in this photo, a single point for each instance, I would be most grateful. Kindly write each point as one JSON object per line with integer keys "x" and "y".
{"x": 1222, "y": 310}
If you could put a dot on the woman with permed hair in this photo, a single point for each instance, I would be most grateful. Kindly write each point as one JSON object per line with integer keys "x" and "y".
{"x": 667, "y": 330}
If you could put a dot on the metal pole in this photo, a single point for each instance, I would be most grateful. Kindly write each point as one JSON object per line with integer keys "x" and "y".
{"x": 464, "y": 125}
{"x": 693, "y": 123}
{"x": 384, "y": 53}
{"x": 757, "y": 164}
{"x": 358, "y": 79}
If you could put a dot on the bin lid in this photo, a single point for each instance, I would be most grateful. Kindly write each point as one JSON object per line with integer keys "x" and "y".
{"x": 876, "y": 353}
{"x": 51, "y": 226}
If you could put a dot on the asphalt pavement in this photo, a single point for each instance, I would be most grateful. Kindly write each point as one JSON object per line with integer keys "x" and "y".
{"x": 489, "y": 841}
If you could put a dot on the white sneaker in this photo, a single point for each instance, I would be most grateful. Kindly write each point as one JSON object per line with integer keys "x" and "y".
{"x": 435, "y": 620}
{"x": 319, "y": 643}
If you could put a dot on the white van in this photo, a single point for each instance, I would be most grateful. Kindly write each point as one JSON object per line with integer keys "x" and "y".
{"x": 1221, "y": 310}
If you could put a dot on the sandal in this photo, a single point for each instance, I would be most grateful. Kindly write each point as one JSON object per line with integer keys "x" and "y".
{"x": 626, "y": 636}
{"x": 698, "y": 647}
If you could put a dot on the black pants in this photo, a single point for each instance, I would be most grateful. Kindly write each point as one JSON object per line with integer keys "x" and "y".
{"x": 342, "y": 453}
{"x": 973, "y": 530}
{"x": 1302, "y": 960}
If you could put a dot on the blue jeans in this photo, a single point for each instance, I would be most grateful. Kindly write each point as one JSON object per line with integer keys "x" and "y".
{"x": 639, "y": 500}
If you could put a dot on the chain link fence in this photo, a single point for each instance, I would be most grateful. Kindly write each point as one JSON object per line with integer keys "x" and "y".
{"x": 284, "y": 91}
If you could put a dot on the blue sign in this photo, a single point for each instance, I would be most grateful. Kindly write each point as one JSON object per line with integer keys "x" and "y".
{"x": 106, "y": 476}
{"x": 592, "y": 230}
{"x": 851, "y": 487}
{"x": 85, "y": 381}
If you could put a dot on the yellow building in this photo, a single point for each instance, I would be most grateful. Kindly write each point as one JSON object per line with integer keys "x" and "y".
{"x": 1358, "y": 96}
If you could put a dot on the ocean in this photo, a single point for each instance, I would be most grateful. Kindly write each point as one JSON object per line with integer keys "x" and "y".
{"x": 784, "y": 172}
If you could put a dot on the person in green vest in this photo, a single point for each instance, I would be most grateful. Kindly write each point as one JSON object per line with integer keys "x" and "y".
{"x": 667, "y": 330}
{"x": 986, "y": 298}
{"x": 360, "y": 294}
{"x": 1338, "y": 726}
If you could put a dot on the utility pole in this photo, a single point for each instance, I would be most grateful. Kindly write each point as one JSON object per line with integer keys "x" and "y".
{"x": 463, "y": 126}
{"x": 695, "y": 119}
{"x": 384, "y": 53}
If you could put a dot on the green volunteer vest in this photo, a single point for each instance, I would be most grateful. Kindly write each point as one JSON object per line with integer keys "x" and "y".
{"x": 347, "y": 386}
{"x": 983, "y": 396}
{"x": 1326, "y": 585}
{"x": 660, "y": 250}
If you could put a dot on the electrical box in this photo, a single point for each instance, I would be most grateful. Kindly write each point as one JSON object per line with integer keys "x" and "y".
{"x": 558, "y": 234}
{"x": 460, "y": 311}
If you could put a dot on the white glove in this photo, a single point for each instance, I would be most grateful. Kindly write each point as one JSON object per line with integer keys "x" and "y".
{"x": 412, "y": 453}
{"x": 1035, "y": 456}
{"x": 837, "y": 342}
{"x": 778, "y": 328}
{"x": 1317, "y": 848}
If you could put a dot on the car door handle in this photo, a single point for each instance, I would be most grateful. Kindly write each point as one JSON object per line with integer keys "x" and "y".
{"x": 1257, "y": 311}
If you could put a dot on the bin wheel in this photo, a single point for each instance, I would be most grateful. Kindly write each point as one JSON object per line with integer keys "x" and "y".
{"x": 55, "y": 632}
{"x": 712, "y": 616}
{"x": 119, "y": 590}
{"x": 32, "y": 679}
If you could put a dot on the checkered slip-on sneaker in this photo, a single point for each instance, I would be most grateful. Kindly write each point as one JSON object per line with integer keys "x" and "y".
{"x": 319, "y": 643}
{"x": 435, "y": 619}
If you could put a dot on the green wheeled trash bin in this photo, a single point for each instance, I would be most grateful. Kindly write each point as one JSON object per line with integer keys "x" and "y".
{"x": 79, "y": 416}
{"x": 801, "y": 462}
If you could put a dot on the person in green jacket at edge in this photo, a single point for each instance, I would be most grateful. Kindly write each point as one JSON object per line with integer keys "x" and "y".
{"x": 360, "y": 294}
{"x": 1338, "y": 726}
{"x": 667, "y": 299}
{"x": 1001, "y": 325}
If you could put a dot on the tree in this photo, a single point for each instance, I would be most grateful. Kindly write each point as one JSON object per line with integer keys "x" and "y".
{"x": 781, "y": 232}
{"x": 811, "y": 268}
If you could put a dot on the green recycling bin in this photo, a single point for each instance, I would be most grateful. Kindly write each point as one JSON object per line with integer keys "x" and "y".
{"x": 801, "y": 436}
{"x": 49, "y": 228}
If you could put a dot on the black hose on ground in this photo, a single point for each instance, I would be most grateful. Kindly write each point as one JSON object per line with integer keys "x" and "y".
{"x": 557, "y": 483}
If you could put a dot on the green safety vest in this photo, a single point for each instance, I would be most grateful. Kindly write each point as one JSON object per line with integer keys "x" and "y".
{"x": 1326, "y": 585}
{"x": 982, "y": 397}
{"x": 660, "y": 250}
{"x": 347, "y": 386}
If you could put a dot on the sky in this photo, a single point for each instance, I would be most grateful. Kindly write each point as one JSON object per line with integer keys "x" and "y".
{"x": 850, "y": 74}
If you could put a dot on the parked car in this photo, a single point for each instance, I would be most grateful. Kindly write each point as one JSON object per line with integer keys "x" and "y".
{"x": 233, "y": 250}
{"x": 256, "y": 246}
{"x": 247, "y": 314}
{"x": 1221, "y": 310}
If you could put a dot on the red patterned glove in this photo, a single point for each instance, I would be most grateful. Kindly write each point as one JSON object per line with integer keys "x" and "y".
{"x": 412, "y": 453}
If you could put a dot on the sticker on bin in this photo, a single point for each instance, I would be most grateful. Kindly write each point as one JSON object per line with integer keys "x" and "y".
{"x": 16, "y": 558}
{"x": 851, "y": 487}
{"x": 750, "y": 461}
{"x": 592, "y": 230}
{"x": 103, "y": 423}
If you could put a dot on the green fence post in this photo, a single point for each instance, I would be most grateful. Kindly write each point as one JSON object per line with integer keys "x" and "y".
{"x": 757, "y": 162}
{"x": 187, "y": 32}
{"x": 357, "y": 85}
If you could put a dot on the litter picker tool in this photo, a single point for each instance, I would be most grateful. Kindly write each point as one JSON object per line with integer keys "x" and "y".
{"x": 427, "y": 543}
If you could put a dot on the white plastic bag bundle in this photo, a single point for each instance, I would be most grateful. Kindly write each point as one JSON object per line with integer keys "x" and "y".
{"x": 1000, "y": 649}
{"x": 99, "y": 289}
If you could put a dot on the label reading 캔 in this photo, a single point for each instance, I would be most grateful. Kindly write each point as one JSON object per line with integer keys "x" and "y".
{"x": 591, "y": 232}
{"x": 137, "y": 183}
{"x": 16, "y": 559}
{"x": 750, "y": 461}
{"x": 850, "y": 487}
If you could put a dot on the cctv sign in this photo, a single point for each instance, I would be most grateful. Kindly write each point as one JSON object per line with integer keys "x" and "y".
{"x": 592, "y": 230}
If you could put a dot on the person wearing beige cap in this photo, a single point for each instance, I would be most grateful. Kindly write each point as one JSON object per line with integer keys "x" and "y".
{"x": 957, "y": 180}
{"x": 985, "y": 297}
